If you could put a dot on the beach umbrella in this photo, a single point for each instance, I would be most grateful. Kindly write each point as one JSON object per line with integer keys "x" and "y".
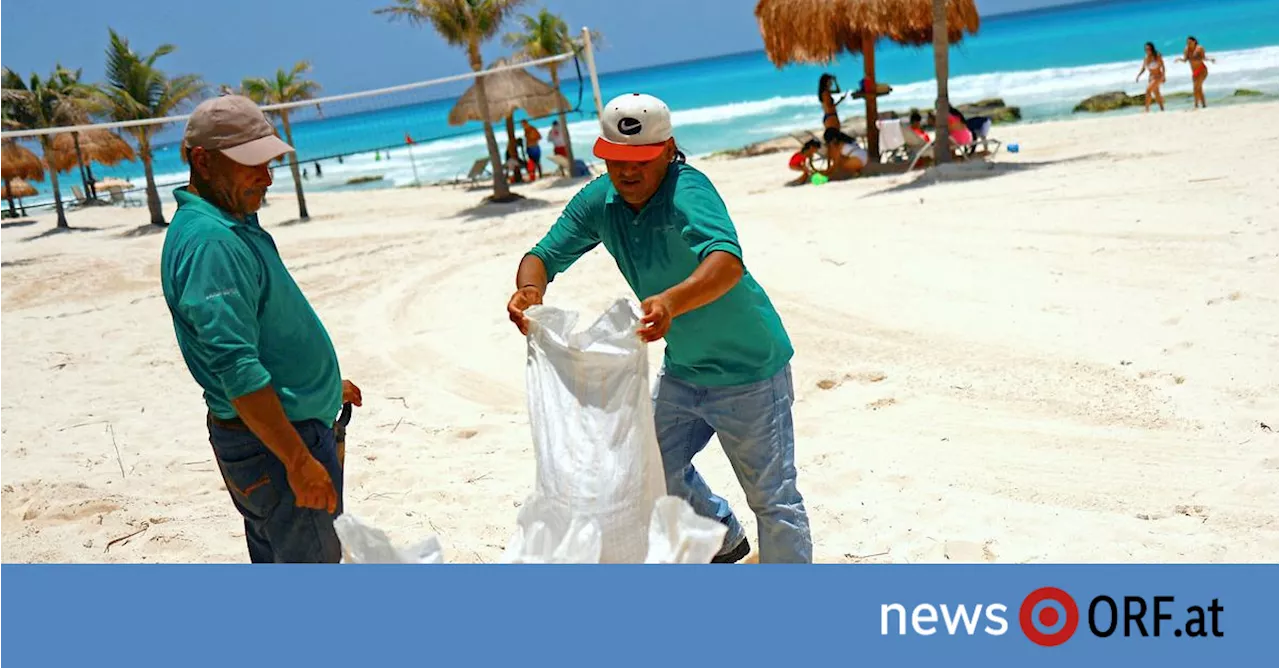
{"x": 17, "y": 163}
{"x": 18, "y": 188}
{"x": 506, "y": 92}
{"x": 817, "y": 31}
{"x": 72, "y": 149}
{"x": 114, "y": 182}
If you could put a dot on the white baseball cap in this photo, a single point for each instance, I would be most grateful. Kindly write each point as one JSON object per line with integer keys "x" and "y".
{"x": 634, "y": 127}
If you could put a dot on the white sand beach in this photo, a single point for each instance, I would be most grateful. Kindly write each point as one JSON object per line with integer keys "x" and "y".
{"x": 1069, "y": 357}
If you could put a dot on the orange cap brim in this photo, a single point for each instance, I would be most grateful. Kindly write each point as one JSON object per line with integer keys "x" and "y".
{"x": 607, "y": 150}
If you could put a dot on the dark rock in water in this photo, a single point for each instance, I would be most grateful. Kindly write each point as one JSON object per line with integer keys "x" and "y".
{"x": 994, "y": 108}
{"x": 1180, "y": 95}
{"x": 1245, "y": 92}
{"x": 1109, "y": 102}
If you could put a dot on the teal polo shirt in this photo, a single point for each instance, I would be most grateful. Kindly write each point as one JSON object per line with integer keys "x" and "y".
{"x": 734, "y": 340}
{"x": 242, "y": 322}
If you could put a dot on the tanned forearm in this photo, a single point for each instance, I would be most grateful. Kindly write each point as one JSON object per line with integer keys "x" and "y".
{"x": 262, "y": 413}
{"x": 532, "y": 273}
{"x": 714, "y": 277}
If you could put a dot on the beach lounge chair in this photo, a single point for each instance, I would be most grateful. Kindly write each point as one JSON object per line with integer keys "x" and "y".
{"x": 561, "y": 163}
{"x": 479, "y": 169}
{"x": 562, "y": 166}
{"x": 893, "y": 141}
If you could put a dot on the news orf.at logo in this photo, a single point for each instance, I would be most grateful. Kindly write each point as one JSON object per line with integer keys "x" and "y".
{"x": 1049, "y": 617}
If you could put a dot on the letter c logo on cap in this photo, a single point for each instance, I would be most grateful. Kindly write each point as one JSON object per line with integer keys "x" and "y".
{"x": 630, "y": 126}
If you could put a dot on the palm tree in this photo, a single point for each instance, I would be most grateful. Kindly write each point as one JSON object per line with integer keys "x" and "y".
{"x": 465, "y": 23}
{"x": 285, "y": 87}
{"x": 543, "y": 36}
{"x": 136, "y": 89}
{"x": 80, "y": 103}
{"x": 942, "y": 133}
{"x": 41, "y": 103}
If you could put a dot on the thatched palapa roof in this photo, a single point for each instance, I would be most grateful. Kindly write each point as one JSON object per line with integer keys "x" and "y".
{"x": 17, "y": 188}
{"x": 100, "y": 146}
{"x": 507, "y": 91}
{"x": 816, "y": 31}
{"x": 113, "y": 182}
{"x": 18, "y": 162}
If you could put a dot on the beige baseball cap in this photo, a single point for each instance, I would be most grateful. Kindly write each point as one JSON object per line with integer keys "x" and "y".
{"x": 234, "y": 125}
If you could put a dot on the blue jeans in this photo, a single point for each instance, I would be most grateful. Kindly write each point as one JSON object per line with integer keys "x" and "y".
{"x": 753, "y": 423}
{"x": 274, "y": 527}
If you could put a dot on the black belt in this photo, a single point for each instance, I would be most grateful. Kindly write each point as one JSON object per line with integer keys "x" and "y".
{"x": 340, "y": 427}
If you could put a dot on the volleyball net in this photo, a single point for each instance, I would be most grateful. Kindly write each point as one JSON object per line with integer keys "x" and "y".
{"x": 425, "y": 132}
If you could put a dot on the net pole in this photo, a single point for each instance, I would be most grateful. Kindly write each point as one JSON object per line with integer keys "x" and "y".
{"x": 591, "y": 68}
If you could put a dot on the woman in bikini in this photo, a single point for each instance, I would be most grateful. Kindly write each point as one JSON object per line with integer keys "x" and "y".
{"x": 828, "y": 87}
{"x": 1153, "y": 65}
{"x": 1195, "y": 56}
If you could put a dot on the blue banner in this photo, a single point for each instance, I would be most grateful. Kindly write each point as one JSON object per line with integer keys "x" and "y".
{"x": 1029, "y": 615}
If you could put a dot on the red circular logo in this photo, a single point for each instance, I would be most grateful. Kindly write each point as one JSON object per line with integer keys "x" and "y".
{"x": 1048, "y": 616}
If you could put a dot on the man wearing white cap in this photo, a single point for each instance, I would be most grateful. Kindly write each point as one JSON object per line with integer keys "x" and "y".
{"x": 727, "y": 367}
{"x": 252, "y": 341}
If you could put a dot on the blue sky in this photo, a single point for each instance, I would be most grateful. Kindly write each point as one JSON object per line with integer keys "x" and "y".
{"x": 351, "y": 48}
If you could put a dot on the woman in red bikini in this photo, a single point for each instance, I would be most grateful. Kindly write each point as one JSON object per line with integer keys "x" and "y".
{"x": 1195, "y": 56}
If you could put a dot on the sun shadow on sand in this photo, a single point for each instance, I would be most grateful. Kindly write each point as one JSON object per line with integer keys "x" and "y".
{"x": 20, "y": 262}
{"x": 974, "y": 171}
{"x": 60, "y": 230}
{"x": 495, "y": 210}
{"x": 144, "y": 230}
{"x": 310, "y": 219}
{"x": 17, "y": 223}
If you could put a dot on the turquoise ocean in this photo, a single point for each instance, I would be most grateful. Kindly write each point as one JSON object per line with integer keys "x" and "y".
{"x": 1043, "y": 62}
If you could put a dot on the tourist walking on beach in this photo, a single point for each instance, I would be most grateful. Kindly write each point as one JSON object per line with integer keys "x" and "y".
{"x": 727, "y": 368}
{"x": 1194, "y": 55}
{"x": 1153, "y": 65}
{"x": 532, "y": 149}
{"x": 556, "y": 137}
{"x": 252, "y": 341}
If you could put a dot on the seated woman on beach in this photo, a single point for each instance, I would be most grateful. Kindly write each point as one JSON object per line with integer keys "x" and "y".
{"x": 1153, "y": 65}
{"x": 513, "y": 165}
{"x": 958, "y": 126}
{"x": 1195, "y": 56}
{"x": 801, "y": 161}
{"x": 916, "y": 128}
{"x": 848, "y": 159}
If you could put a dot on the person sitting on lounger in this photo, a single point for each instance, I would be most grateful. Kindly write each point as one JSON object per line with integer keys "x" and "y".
{"x": 802, "y": 161}
{"x": 916, "y": 127}
{"x": 848, "y": 159}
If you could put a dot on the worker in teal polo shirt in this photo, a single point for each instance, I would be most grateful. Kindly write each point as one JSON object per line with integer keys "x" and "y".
{"x": 252, "y": 341}
{"x": 727, "y": 369}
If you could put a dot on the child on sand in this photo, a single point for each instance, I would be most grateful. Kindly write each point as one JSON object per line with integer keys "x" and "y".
{"x": 802, "y": 161}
